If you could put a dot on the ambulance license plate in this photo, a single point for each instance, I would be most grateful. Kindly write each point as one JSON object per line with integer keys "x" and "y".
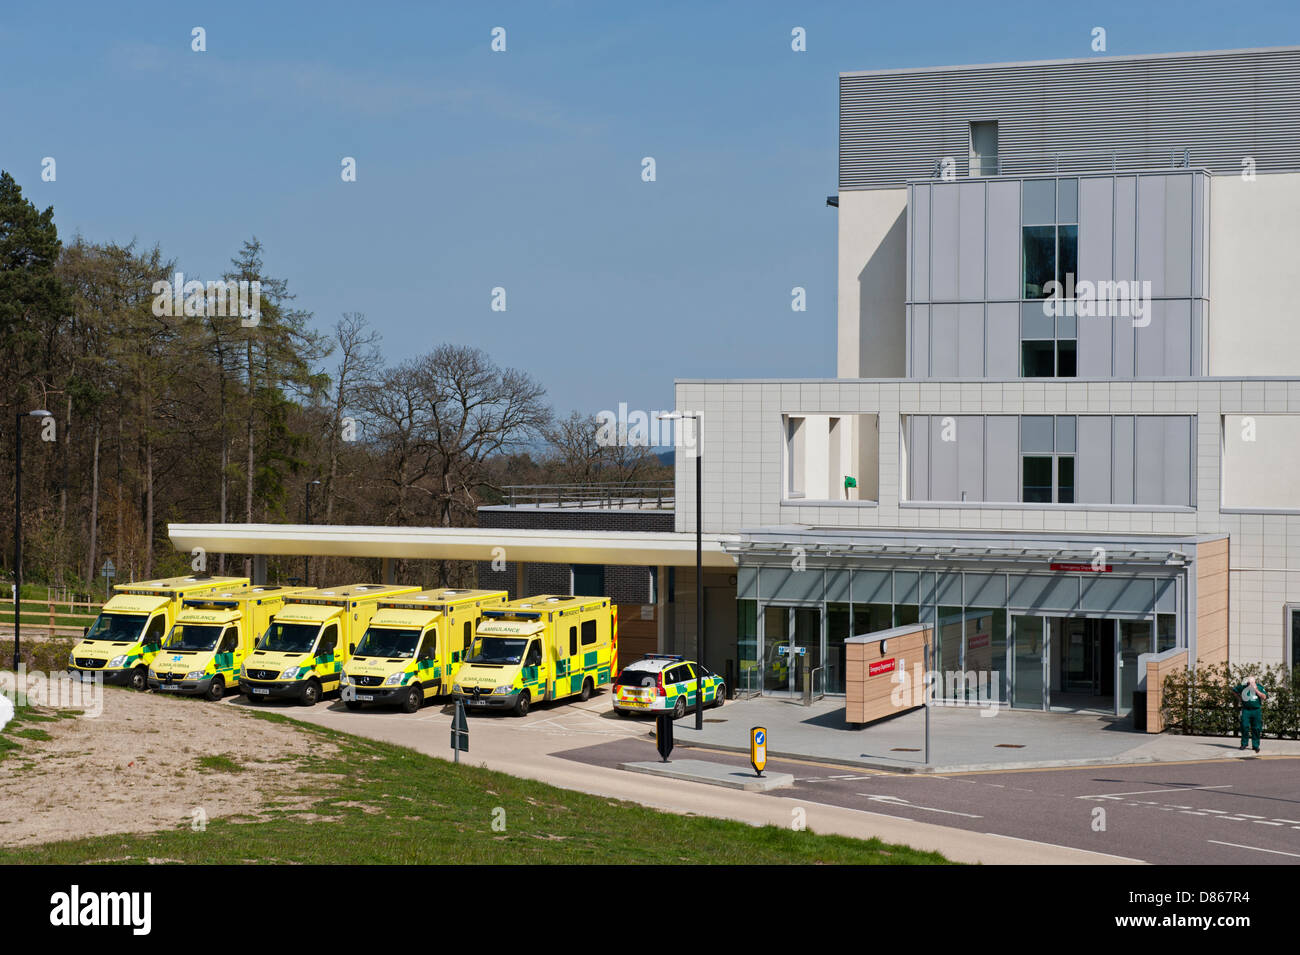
{"x": 261, "y": 689}
{"x": 169, "y": 686}
{"x": 366, "y": 697}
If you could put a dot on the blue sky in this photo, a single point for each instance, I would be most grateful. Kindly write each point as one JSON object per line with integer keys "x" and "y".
{"x": 519, "y": 169}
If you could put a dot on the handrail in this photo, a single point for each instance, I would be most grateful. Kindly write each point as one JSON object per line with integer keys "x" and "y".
{"x": 750, "y": 692}
{"x": 812, "y": 696}
{"x": 658, "y": 495}
{"x": 1053, "y": 162}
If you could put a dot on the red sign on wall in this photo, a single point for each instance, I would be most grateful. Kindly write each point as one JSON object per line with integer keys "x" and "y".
{"x": 977, "y": 641}
{"x": 880, "y": 666}
{"x": 1081, "y": 568}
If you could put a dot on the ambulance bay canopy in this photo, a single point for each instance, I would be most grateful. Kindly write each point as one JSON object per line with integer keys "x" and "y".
{"x": 639, "y": 548}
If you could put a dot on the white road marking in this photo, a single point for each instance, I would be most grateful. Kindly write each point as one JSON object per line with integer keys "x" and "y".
{"x": 1266, "y": 822}
{"x": 1144, "y": 792}
{"x": 1276, "y": 852}
{"x": 904, "y": 804}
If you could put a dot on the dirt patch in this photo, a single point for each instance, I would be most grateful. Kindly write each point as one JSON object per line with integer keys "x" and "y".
{"x": 140, "y": 766}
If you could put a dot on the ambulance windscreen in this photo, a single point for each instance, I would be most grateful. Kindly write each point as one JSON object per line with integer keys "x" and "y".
{"x": 501, "y": 651}
{"x": 116, "y": 627}
{"x": 289, "y": 637}
{"x": 190, "y": 636}
{"x": 383, "y": 642}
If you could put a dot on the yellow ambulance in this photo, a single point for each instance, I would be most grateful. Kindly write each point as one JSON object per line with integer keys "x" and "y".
{"x": 212, "y": 634}
{"x": 414, "y": 647}
{"x": 539, "y": 648}
{"x": 130, "y": 628}
{"x": 302, "y": 653}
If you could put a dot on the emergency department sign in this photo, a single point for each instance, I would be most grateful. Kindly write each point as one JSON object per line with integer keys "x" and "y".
{"x": 758, "y": 748}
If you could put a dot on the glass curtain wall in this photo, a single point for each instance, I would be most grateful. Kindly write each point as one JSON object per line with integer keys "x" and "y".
{"x": 776, "y": 639}
{"x": 839, "y": 619}
{"x": 1134, "y": 638}
{"x": 747, "y": 643}
{"x": 1027, "y": 654}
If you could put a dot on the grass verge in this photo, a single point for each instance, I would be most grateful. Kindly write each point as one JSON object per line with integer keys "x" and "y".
{"x": 25, "y": 725}
{"x": 388, "y": 804}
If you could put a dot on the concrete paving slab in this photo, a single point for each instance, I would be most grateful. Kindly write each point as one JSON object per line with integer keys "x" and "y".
{"x": 715, "y": 774}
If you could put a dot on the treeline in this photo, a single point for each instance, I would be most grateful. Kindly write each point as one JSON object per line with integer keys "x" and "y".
{"x": 188, "y": 405}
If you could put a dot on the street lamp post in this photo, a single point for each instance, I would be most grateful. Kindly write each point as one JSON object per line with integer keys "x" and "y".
{"x": 18, "y": 522}
{"x": 699, "y": 561}
{"x": 306, "y": 558}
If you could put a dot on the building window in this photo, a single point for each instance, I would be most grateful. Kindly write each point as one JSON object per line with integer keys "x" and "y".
{"x": 1047, "y": 449}
{"x": 589, "y": 580}
{"x": 1293, "y": 637}
{"x": 984, "y": 148}
{"x": 1049, "y": 233}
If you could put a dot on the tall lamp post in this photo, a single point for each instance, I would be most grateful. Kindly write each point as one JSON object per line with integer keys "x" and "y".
{"x": 306, "y": 558}
{"x": 18, "y": 520}
{"x": 699, "y": 560}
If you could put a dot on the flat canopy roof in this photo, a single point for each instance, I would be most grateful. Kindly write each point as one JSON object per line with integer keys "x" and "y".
{"x": 636, "y": 548}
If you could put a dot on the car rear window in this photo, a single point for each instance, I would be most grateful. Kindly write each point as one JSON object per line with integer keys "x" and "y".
{"x": 637, "y": 678}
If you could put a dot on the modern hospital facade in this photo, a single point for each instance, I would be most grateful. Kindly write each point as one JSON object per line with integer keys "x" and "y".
{"x": 1074, "y": 493}
{"x": 1068, "y": 497}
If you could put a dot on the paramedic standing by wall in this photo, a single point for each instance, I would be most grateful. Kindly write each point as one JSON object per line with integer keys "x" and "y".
{"x": 1252, "y": 716}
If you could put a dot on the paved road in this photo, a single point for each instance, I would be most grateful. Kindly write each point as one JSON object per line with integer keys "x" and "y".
{"x": 539, "y": 746}
{"x": 1243, "y": 811}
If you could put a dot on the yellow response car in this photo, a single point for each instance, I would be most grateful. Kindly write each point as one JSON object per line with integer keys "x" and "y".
{"x": 665, "y": 683}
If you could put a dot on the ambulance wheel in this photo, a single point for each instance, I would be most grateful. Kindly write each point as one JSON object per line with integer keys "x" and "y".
{"x": 679, "y": 708}
{"x": 139, "y": 679}
{"x": 413, "y": 699}
{"x": 310, "y": 693}
{"x": 352, "y": 704}
{"x": 585, "y": 695}
{"x": 719, "y": 695}
{"x": 216, "y": 689}
{"x": 521, "y": 704}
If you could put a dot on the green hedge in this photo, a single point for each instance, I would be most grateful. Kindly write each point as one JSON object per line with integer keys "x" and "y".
{"x": 47, "y": 656}
{"x": 1200, "y": 702}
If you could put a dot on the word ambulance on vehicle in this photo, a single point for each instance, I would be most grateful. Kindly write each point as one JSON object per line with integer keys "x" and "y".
{"x": 212, "y": 635}
{"x": 302, "y": 653}
{"x": 130, "y": 628}
{"x": 539, "y": 648}
{"x": 414, "y": 647}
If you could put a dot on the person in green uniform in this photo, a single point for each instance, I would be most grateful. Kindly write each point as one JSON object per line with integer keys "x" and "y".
{"x": 1252, "y": 697}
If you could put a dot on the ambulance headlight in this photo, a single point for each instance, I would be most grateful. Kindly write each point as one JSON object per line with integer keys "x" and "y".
{"x": 291, "y": 673}
{"x": 72, "y": 658}
{"x": 117, "y": 661}
{"x": 345, "y": 680}
{"x": 194, "y": 675}
{"x": 502, "y": 690}
{"x": 394, "y": 679}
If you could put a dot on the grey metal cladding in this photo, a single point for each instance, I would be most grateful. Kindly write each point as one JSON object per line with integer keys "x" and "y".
{"x": 943, "y": 341}
{"x": 1002, "y": 345}
{"x": 1094, "y": 467}
{"x": 1003, "y": 246}
{"x": 1220, "y": 106}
